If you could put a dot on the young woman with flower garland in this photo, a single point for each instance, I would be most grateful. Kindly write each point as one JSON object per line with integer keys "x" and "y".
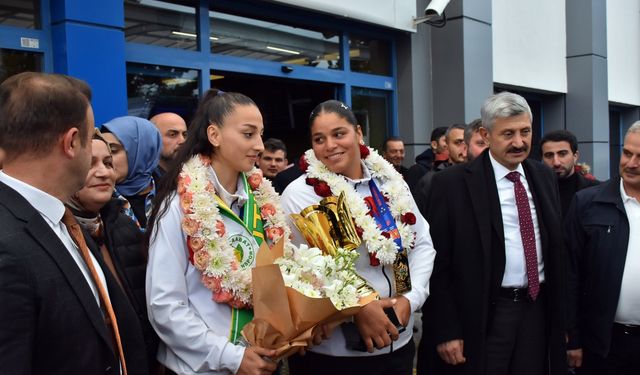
{"x": 214, "y": 211}
{"x": 394, "y": 236}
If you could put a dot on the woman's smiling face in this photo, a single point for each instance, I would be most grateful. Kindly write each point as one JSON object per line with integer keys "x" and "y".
{"x": 101, "y": 179}
{"x": 335, "y": 143}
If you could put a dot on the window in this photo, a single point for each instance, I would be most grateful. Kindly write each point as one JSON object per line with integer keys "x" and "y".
{"x": 371, "y": 108}
{"x": 369, "y": 55}
{"x": 153, "y": 89}
{"x": 14, "y": 62}
{"x": 20, "y": 13}
{"x": 160, "y": 23}
{"x": 255, "y": 39}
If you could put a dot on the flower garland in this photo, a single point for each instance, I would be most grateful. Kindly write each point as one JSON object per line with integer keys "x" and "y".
{"x": 379, "y": 244}
{"x": 209, "y": 249}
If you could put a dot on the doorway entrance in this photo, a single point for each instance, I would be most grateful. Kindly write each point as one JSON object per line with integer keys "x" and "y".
{"x": 285, "y": 104}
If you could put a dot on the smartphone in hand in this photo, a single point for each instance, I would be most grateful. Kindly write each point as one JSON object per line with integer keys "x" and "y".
{"x": 353, "y": 340}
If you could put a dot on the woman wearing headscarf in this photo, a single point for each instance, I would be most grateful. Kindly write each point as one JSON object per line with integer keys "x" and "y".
{"x": 136, "y": 145}
{"x": 119, "y": 239}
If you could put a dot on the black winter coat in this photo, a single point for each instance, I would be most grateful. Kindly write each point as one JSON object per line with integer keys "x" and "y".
{"x": 597, "y": 235}
{"x": 125, "y": 241}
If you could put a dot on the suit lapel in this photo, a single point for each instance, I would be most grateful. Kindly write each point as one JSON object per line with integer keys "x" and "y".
{"x": 483, "y": 192}
{"x": 477, "y": 189}
{"x": 37, "y": 228}
{"x": 535, "y": 181}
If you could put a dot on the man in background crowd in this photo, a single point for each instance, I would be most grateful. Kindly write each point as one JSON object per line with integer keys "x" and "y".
{"x": 474, "y": 140}
{"x": 454, "y": 138}
{"x": 173, "y": 130}
{"x": 393, "y": 152}
{"x": 273, "y": 159}
{"x": 424, "y": 161}
{"x": 560, "y": 153}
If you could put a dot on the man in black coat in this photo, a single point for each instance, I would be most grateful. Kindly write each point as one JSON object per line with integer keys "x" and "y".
{"x": 424, "y": 161}
{"x": 498, "y": 286}
{"x": 604, "y": 276}
{"x": 51, "y": 315}
{"x": 559, "y": 151}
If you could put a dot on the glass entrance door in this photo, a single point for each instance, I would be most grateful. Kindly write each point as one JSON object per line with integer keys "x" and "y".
{"x": 371, "y": 108}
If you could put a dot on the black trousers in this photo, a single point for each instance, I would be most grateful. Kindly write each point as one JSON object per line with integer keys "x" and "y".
{"x": 399, "y": 362}
{"x": 516, "y": 343}
{"x": 623, "y": 357}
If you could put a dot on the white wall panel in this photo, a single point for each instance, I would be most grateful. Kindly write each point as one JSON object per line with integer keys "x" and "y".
{"x": 397, "y": 14}
{"x": 623, "y": 50}
{"x": 529, "y": 43}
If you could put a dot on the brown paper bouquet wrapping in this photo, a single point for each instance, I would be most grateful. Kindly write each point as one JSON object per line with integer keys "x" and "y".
{"x": 284, "y": 318}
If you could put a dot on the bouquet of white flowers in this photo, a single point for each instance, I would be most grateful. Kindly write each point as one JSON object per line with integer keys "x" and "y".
{"x": 314, "y": 274}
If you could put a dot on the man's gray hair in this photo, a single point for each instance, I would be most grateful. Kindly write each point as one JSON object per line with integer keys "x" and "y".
{"x": 503, "y": 105}
{"x": 634, "y": 128}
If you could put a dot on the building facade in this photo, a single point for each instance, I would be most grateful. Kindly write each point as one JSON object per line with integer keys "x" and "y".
{"x": 577, "y": 62}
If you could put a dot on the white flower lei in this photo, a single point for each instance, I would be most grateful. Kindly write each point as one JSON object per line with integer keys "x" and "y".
{"x": 393, "y": 187}
{"x": 213, "y": 255}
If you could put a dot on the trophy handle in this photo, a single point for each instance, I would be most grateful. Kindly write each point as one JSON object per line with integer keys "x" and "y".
{"x": 349, "y": 238}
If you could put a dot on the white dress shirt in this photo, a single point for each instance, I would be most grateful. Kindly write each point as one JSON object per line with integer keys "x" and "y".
{"x": 515, "y": 269}
{"x": 193, "y": 329}
{"x": 52, "y": 209}
{"x": 298, "y": 195}
{"x": 628, "y": 311}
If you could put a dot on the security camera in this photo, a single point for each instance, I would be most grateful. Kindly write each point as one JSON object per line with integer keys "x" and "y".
{"x": 435, "y": 8}
{"x": 434, "y": 14}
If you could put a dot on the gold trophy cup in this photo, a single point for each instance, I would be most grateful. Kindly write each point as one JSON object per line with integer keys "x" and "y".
{"x": 328, "y": 226}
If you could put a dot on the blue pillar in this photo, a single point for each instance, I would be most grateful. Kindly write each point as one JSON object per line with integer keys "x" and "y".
{"x": 89, "y": 44}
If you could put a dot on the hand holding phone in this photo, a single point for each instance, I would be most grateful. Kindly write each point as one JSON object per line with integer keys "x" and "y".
{"x": 377, "y": 325}
{"x": 391, "y": 314}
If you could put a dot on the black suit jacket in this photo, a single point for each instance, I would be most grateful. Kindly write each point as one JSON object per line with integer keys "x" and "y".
{"x": 597, "y": 234}
{"x": 50, "y": 321}
{"x": 465, "y": 221}
{"x": 569, "y": 186}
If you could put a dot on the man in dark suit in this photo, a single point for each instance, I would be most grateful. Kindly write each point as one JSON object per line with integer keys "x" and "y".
{"x": 52, "y": 321}
{"x": 604, "y": 271}
{"x": 559, "y": 151}
{"x": 498, "y": 286}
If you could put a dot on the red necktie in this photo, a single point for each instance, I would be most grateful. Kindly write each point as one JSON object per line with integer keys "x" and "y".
{"x": 527, "y": 234}
{"x": 76, "y": 234}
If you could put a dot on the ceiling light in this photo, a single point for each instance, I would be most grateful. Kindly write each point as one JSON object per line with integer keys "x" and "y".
{"x": 283, "y": 50}
{"x": 191, "y": 35}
